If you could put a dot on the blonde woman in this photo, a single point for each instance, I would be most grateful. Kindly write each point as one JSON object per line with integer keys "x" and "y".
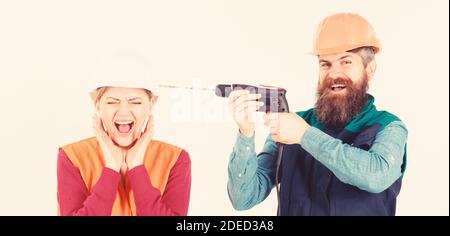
{"x": 122, "y": 170}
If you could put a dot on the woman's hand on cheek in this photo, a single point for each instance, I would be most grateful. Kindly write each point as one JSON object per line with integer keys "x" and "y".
{"x": 135, "y": 155}
{"x": 113, "y": 155}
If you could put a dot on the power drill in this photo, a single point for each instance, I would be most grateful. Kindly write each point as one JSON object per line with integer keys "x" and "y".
{"x": 274, "y": 98}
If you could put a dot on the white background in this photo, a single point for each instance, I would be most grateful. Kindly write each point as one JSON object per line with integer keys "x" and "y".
{"x": 48, "y": 50}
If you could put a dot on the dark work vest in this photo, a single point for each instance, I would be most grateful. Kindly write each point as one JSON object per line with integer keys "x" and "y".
{"x": 309, "y": 188}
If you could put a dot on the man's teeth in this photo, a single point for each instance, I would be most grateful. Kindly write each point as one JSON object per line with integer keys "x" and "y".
{"x": 338, "y": 86}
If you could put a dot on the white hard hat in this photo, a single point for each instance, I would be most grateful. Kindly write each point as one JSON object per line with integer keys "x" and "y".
{"x": 128, "y": 70}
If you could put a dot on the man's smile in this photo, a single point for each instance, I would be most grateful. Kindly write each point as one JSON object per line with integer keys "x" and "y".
{"x": 338, "y": 87}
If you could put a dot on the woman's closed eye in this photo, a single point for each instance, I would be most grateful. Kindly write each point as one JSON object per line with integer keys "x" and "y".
{"x": 135, "y": 101}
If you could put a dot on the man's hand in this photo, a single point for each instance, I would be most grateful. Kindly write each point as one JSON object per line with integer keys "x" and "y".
{"x": 112, "y": 154}
{"x": 242, "y": 105}
{"x": 287, "y": 128}
{"x": 135, "y": 156}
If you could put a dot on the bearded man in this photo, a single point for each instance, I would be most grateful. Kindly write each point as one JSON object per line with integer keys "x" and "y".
{"x": 342, "y": 157}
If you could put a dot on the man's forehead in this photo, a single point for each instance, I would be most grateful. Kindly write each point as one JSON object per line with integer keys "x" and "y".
{"x": 335, "y": 56}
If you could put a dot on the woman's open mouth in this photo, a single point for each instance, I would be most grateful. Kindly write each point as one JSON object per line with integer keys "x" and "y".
{"x": 124, "y": 128}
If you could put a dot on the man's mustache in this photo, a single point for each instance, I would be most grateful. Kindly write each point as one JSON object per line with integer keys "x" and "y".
{"x": 339, "y": 80}
{"x": 325, "y": 87}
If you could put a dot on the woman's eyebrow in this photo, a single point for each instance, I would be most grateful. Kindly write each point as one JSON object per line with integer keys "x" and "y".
{"x": 135, "y": 98}
{"x": 113, "y": 98}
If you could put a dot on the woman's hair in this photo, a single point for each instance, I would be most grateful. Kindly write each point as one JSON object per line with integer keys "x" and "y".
{"x": 98, "y": 93}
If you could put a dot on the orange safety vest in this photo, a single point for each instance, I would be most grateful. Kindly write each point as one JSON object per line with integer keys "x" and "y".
{"x": 159, "y": 159}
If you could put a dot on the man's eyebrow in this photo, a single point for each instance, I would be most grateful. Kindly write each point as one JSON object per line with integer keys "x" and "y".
{"x": 135, "y": 98}
{"x": 343, "y": 57}
{"x": 112, "y": 98}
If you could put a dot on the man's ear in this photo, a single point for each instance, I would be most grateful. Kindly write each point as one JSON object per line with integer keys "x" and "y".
{"x": 371, "y": 68}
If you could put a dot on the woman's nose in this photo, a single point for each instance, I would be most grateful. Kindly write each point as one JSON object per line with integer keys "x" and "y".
{"x": 124, "y": 109}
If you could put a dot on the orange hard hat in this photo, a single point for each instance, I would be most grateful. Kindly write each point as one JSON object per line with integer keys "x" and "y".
{"x": 343, "y": 32}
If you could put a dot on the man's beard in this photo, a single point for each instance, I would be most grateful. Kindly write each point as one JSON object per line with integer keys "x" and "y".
{"x": 338, "y": 109}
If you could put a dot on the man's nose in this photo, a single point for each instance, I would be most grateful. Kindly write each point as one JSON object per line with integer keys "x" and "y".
{"x": 334, "y": 72}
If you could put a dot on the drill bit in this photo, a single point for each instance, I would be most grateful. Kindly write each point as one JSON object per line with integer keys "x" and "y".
{"x": 181, "y": 87}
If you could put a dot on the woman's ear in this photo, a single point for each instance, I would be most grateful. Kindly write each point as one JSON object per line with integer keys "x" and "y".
{"x": 371, "y": 68}
{"x": 153, "y": 101}
{"x": 97, "y": 113}
{"x": 97, "y": 109}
